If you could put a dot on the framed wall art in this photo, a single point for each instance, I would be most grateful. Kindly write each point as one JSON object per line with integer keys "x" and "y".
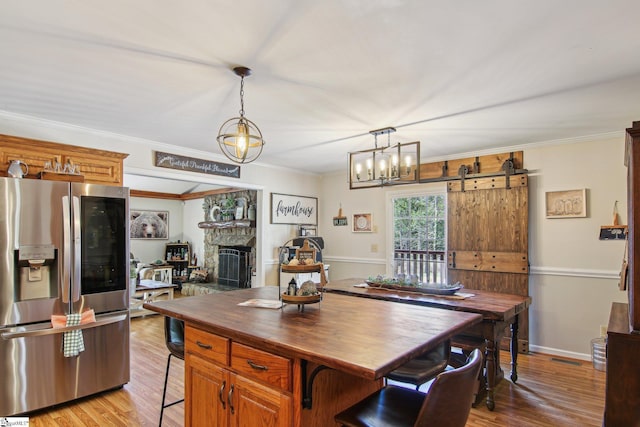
{"x": 566, "y": 204}
{"x": 290, "y": 209}
{"x": 308, "y": 230}
{"x": 362, "y": 223}
{"x": 148, "y": 224}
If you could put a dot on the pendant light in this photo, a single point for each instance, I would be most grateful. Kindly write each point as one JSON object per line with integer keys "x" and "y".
{"x": 384, "y": 165}
{"x": 239, "y": 138}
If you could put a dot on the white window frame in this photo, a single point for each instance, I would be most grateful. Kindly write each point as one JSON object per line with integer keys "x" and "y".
{"x": 433, "y": 189}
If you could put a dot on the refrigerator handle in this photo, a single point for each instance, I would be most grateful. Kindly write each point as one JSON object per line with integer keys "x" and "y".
{"x": 66, "y": 250}
{"x": 100, "y": 321}
{"x": 77, "y": 248}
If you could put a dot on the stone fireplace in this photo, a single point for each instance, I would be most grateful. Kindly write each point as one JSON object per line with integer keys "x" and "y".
{"x": 222, "y": 233}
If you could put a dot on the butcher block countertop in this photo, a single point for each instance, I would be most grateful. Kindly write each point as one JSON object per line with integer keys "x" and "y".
{"x": 365, "y": 337}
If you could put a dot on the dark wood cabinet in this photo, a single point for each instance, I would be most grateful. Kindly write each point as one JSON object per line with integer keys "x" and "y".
{"x": 178, "y": 256}
{"x": 623, "y": 333}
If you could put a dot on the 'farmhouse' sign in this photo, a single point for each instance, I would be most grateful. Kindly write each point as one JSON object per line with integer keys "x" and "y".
{"x": 288, "y": 209}
{"x": 184, "y": 163}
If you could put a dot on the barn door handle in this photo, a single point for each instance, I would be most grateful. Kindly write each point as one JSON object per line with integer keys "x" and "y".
{"x": 453, "y": 259}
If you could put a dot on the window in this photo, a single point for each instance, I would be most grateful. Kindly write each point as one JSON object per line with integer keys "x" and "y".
{"x": 419, "y": 237}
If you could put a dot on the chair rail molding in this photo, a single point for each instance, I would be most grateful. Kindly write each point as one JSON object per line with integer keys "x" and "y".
{"x": 575, "y": 272}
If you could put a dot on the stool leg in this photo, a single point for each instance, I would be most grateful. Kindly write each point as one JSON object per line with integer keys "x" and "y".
{"x": 164, "y": 390}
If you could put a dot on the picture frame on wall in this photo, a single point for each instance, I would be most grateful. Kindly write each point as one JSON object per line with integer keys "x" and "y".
{"x": 295, "y": 210}
{"x": 146, "y": 224}
{"x": 308, "y": 231}
{"x": 566, "y": 203}
{"x": 362, "y": 223}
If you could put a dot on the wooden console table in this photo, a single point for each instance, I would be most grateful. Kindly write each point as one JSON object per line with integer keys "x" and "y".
{"x": 163, "y": 274}
{"x": 144, "y": 294}
{"x": 277, "y": 367}
{"x": 499, "y": 311}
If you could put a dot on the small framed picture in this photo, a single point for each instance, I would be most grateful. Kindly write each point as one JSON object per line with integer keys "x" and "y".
{"x": 362, "y": 223}
{"x": 239, "y": 212}
{"x": 308, "y": 230}
{"x": 566, "y": 204}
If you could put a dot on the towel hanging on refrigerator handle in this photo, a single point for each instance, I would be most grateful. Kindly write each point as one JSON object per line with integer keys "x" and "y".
{"x": 73, "y": 341}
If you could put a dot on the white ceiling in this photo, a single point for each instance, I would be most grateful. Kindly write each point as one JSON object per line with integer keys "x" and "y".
{"x": 165, "y": 185}
{"x": 460, "y": 76}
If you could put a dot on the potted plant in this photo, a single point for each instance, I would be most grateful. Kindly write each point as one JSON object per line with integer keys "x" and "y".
{"x": 229, "y": 208}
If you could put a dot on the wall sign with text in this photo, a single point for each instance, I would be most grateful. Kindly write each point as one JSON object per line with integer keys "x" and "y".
{"x": 191, "y": 164}
{"x": 289, "y": 209}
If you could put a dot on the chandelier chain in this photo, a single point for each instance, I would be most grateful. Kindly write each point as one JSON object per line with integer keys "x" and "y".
{"x": 242, "y": 96}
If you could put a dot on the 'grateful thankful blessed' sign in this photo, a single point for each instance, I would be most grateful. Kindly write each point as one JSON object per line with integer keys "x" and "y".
{"x": 288, "y": 209}
{"x": 175, "y": 161}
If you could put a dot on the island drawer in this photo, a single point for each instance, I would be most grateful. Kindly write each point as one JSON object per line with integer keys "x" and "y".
{"x": 206, "y": 345}
{"x": 258, "y": 364}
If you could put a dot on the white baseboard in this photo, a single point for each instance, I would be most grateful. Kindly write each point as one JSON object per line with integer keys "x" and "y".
{"x": 560, "y": 353}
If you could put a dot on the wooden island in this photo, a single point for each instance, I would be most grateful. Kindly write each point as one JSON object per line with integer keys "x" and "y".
{"x": 281, "y": 367}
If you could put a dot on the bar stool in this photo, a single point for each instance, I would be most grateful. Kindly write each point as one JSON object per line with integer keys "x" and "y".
{"x": 424, "y": 367}
{"x": 466, "y": 344}
{"x": 174, "y": 339}
{"x": 446, "y": 404}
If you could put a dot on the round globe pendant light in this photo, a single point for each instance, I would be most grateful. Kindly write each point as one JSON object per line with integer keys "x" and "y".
{"x": 239, "y": 138}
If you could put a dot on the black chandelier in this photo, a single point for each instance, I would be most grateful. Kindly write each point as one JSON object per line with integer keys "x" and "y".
{"x": 384, "y": 165}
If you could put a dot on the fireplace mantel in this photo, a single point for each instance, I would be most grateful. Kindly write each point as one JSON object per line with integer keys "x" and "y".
{"x": 238, "y": 223}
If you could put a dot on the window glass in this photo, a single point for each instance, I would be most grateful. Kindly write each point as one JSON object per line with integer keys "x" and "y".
{"x": 419, "y": 233}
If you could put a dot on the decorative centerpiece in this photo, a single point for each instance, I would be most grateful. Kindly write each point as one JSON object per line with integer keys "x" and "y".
{"x": 308, "y": 293}
{"x": 304, "y": 262}
{"x": 412, "y": 284}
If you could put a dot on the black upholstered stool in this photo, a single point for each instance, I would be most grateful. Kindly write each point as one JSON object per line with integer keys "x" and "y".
{"x": 174, "y": 339}
{"x": 446, "y": 404}
{"x": 424, "y": 367}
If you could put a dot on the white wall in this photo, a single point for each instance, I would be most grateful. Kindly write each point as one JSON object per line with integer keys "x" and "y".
{"x": 574, "y": 275}
{"x": 192, "y": 215}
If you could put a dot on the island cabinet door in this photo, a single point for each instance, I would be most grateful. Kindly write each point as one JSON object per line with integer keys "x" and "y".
{"x": 254, "y": 404}
{"x": 205, "y": 393}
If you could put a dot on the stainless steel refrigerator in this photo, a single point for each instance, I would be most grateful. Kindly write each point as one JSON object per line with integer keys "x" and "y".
{"x": 64, "y": 249}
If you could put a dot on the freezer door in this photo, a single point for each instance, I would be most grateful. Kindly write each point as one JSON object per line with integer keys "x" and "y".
{"x": 35, "y": 374}
{"x": 32, "y": 251}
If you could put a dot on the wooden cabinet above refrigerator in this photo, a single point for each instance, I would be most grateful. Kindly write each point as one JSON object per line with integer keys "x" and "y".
{"x": 96, "y": 166}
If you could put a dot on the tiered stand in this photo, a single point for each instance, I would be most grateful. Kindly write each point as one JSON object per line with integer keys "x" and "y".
{"x": 301, "y": 301}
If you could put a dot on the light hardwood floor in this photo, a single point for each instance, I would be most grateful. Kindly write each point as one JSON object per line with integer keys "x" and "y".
{"x": 549, "y": 392}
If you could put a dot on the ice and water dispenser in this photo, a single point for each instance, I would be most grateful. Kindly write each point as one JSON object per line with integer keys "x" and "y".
{"x": 38, "y": 272}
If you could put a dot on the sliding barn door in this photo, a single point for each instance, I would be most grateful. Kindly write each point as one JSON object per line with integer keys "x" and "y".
{"x": 487, "y": 243}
